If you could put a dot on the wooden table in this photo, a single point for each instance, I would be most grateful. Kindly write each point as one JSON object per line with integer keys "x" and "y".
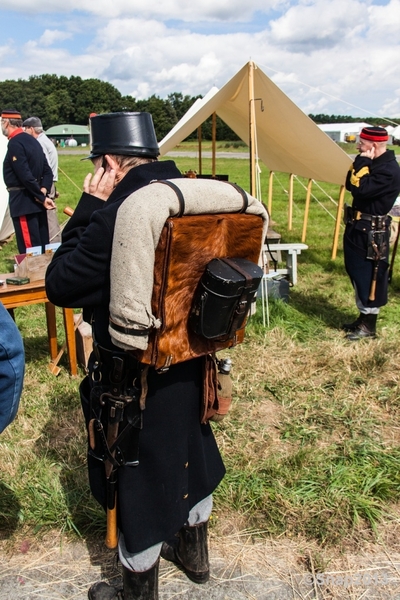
{"x": 13, "y": 296}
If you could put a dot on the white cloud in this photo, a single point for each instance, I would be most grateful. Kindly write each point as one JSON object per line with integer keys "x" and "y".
{"x": 207, "y": 10}
{"x": 310, "y": 27}
{"x": 317, "y": 51}
{"x": 50, "y": 37}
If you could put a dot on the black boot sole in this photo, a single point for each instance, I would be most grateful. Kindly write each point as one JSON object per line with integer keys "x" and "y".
{"x": 168, "y": 553}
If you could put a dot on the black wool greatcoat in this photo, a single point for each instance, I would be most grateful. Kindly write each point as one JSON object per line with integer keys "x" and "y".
{"x": 179, "y": 462}
{"x": 374, "y": 185}
{"x": 25, "y": 165}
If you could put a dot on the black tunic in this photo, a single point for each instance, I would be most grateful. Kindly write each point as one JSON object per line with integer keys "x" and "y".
{"x": 179, "y": 460}
{"x": 374, "y": 185}
{"x": 25, "y": 165}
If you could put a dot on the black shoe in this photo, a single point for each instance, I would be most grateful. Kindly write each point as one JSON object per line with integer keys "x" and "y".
{"x": 366, "y": 329}
{"x": 190, "y": 552}
{"x": 352, "y": 326}
{"x": 103, "y": 591}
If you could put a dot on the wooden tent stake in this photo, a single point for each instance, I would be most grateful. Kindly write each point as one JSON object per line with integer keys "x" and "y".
{"x": 252, "y": 130}
{"x": 214, "y": 137}
{"x": 338, "y": 221}
{"x": 306, "y": 210}
{"x": 290, "y": 208}
{"x": 270, "y": 188}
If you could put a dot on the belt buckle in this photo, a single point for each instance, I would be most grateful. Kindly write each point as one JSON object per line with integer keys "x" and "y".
{"x": 357, "y": 215}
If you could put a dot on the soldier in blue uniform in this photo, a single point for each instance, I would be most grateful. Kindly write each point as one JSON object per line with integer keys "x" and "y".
{"x": 374, "y": 182}
{"x": 164, "y": 502}
{"x": 28, "y": 178}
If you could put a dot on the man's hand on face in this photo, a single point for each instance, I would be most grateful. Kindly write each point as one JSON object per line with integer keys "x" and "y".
{"x": 370, "y": 153}
{"x": 101, "y": 184}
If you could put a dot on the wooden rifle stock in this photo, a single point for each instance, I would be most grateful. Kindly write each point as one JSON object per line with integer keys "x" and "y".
{"x": 112, "y": 531}
{"x": 372, "y": 290}
{"x": 111, "y": 540}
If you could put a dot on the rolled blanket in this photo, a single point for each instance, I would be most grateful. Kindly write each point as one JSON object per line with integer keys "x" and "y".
{"x": 138, "y": 227}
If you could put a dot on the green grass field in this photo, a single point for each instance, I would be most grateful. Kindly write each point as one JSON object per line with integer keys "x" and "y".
{"x": 311, "y": 444}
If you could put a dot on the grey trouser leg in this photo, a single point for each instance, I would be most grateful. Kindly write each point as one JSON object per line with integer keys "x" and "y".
{"x": 143, "y": 561}
{"x": 365, "y": 310}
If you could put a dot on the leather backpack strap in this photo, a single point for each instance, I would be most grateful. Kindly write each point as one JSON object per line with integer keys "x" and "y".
{"x": 242, "y": 193}
{"x": 242, "y": 306}
{"x": 177, "y": 192}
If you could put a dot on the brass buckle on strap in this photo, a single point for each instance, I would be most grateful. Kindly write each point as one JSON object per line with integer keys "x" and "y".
{"x": 357, "y": 215}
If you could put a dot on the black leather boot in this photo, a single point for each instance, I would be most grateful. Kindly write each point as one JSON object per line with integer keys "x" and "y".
{"x": 103, "y": 591}
{"x": 190, "y": 552}
{"x": 365, "y": 329}
{"x": 141, "y": 585}
{"x": 137, "y": 586}
{"x": 352, "y": 326}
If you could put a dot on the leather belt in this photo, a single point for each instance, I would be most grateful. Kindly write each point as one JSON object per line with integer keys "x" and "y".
{"x": 377, "y": 221}
{"x": 360, "y": 216}
{"x": 15, "y": 188}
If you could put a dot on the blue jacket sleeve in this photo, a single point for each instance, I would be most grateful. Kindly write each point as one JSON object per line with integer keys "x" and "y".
{"x": 12, "y": 368}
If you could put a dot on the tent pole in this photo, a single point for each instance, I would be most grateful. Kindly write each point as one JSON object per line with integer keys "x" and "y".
{"x": 270, "y": 184}
{"x": 338, "y": 219}
{"x": 251, "y": 130}
{"x": 290, "y": 214}
{"x": 199, "y": 140}
{"x": 214, "y": 136}
{"x": 306, "y": 210}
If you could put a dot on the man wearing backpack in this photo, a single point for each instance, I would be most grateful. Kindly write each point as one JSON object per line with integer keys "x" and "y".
{"x": 171, "y": 463}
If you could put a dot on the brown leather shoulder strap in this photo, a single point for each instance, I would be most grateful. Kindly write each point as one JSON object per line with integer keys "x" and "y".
{"x": 242, "y": 193}
{"x": 177, "y": 192}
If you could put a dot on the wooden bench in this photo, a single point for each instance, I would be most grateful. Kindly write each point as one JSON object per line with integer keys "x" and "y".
{"x": 291, "y": 251}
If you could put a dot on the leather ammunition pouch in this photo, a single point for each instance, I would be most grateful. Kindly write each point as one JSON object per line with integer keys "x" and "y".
{"x": 115, "y": 401}
{"x": 223, "y": 297}
{"x": 378, "y": 244}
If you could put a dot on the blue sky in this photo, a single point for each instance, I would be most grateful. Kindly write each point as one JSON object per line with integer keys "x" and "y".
{"x": 328, "y": 56}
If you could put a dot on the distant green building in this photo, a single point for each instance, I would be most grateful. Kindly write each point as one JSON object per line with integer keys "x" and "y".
{"x": 63, "y": 134}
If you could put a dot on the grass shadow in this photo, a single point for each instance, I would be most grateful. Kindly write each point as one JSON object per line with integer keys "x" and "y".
{"x": 9, "y": 511}
{"x": 318, "y": 305}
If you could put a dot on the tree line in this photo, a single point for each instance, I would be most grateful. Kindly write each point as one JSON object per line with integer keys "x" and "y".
{"x": 59, "y": 100}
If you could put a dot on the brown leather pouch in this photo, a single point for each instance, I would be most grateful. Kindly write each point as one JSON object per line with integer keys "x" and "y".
{"x": 210, "y": 389}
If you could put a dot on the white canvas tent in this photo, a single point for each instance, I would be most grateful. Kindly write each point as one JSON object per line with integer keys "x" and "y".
{"x": 287, "y": 140}
{"x": 283, "y": 137}
{"x": 6, "y": 224}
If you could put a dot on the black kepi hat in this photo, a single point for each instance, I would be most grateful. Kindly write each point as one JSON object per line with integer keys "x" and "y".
{"x": 374, "y": 134}
{"x": 123, "y": 133}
